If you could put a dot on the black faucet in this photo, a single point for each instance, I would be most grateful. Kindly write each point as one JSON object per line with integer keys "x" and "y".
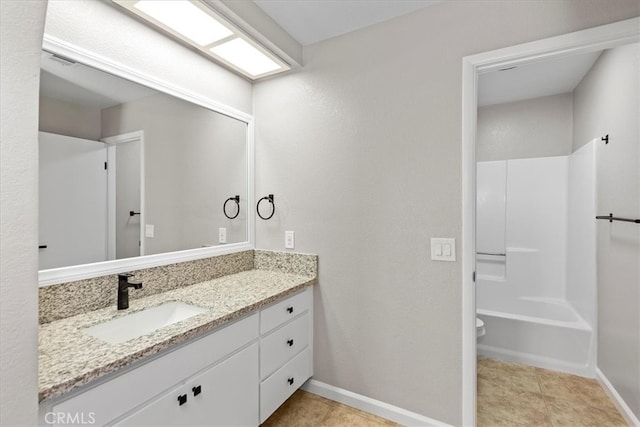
{"x": 123, "y": 289}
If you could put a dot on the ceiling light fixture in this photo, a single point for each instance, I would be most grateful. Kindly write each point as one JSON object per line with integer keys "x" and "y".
{"x": 197, "y": 24}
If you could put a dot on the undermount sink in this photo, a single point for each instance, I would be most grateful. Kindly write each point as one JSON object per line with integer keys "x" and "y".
{"x": 143, "y": 322}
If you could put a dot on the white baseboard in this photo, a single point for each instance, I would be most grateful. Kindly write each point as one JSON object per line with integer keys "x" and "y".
{"x": 372, "y": 406}
{"x": 624, "y": 409}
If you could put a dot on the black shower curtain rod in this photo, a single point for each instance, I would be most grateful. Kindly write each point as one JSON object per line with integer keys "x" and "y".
{"x": 612, "y": 218}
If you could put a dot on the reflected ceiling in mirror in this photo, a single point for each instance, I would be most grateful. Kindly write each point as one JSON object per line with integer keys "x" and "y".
{"x": 129, "y": 171}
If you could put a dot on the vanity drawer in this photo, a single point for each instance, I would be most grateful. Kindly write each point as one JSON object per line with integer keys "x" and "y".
{"x": 282, "y": 311}
{"x": 279, "y": 386}
{"x": 282, "y": 344}
{"x": 113, "y": 398}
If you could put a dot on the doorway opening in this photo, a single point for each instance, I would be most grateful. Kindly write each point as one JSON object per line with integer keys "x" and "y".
{"x": 582, "y": 42}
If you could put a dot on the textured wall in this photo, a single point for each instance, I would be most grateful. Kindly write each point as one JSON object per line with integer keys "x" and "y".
{"x": 20, "y": 40}
{"x": 607, "y": 101}
{"x": 361, "y": 148}
{"x": 539, "y": 127}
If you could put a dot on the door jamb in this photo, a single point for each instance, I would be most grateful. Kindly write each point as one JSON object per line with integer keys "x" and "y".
{"x": 111, "y": 142}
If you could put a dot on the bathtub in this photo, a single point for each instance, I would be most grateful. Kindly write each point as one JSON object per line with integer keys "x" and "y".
{"x": 543, "y": 332}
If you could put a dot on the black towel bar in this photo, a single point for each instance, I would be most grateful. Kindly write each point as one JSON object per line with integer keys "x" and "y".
{"x": 612, "y": 218}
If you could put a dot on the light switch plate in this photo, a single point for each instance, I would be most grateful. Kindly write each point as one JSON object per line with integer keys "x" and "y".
{"x": 289, "y": 240}
{"x": 443, "y": 249}
{"x": 149, "y": 230}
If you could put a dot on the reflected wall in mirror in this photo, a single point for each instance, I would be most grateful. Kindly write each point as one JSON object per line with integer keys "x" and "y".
{"x": 126, "y": 170}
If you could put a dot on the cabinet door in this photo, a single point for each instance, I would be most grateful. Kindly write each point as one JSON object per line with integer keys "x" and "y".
{"x": 227, "y": 396}
{"x": 229, "y": 392}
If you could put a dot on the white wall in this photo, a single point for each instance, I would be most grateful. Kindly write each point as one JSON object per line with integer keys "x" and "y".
{"x": 607, "y": 102}
{"x": 361, "y": 148}
{"x": 539, "y": 127}
{"x": 21, "y": 27}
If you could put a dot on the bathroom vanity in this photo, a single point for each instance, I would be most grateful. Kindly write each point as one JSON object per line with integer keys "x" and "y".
{"x": 234, "y": 363}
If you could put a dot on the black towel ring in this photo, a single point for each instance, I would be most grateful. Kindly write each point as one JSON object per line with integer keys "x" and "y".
{"x": 269, "y": 198}
{"x": 224, "y": 207}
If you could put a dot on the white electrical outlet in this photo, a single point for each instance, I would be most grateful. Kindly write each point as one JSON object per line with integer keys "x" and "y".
{"x": 443, "y": 249}
{"x": 149, "y": 230}
{"x": 289, "y": 240}
{"x": 222, "y": 235}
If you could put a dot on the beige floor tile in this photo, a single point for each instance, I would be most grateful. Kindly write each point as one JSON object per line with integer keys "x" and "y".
{"x": 574, "y": 389}
{"x": 341, "y": 415}
{"x": 301, "y": 410}
{"x": 490, "y": 420}
{"x": 574, "y": 414}
{"x": 510, "y": 375}
{"x": 374, "y": 418}
{"x": 518, "y": 406}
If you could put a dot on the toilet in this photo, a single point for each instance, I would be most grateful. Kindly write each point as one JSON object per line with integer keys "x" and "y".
{"x": 480, "y": 331}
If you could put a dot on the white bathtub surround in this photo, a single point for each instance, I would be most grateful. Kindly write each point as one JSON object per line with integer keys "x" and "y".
{"x": 538, "y": 301}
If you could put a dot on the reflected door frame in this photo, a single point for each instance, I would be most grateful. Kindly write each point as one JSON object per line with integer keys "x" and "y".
{"x": 112, "y": 142}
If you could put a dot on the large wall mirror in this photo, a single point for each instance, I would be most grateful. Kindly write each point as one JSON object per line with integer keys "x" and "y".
{"x": 133, "y": 172}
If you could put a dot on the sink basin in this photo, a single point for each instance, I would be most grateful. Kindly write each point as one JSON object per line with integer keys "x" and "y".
{"x": 143, "y": 322}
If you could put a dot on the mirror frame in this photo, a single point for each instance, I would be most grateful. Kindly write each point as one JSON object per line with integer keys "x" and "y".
{"x": 87, "y": 271}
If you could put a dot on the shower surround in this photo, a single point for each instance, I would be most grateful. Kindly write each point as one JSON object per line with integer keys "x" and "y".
{"x": 536, "y": 260}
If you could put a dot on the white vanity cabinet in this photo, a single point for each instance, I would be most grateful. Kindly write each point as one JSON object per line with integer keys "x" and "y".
{"x": 148, "y": 385}
{"x": 286, "y": 338}
{"x": 237, "y": 375}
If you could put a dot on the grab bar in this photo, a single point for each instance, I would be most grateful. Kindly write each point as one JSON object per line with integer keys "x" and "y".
{"x": 612, "y": 218}
{"x": 490, "y": 253}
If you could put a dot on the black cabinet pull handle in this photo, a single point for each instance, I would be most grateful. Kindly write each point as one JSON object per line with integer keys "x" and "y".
{"x": 290, "y": 342}
{"x": 290, "y": 381}
{"x": 182, "y": 399}
{"x": 290, "y": 310}
{"x": 42, "y": 246}
{"x": 197, "y": 390}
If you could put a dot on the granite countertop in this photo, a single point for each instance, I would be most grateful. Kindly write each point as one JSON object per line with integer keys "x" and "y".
{"x": 69, "y": 358}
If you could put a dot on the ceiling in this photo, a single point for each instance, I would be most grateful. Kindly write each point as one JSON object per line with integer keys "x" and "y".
{"x": 549, "y": 77}
{"x": 311, "y": 21}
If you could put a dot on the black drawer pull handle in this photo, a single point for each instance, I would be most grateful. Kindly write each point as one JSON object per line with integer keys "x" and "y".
{"x": 197, "y": 390}
{"x": 182, "y": 399}
{"x": 290, "y": 342}
{"x": 290, "y": 310}
{"x": 290, "y": 380}
{"x": 42, "y": 246}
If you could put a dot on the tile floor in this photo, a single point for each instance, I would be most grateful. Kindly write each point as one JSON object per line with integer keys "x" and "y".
{"x": 309, "y": 410}
{"x": 509, "y": 394}
{"x": 514, "y": 395}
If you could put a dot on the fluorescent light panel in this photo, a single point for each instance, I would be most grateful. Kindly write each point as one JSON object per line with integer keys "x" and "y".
{"x": 209, "y": 32}
{"x": 187, "y": 19}
{"x": 243, "y": 55}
